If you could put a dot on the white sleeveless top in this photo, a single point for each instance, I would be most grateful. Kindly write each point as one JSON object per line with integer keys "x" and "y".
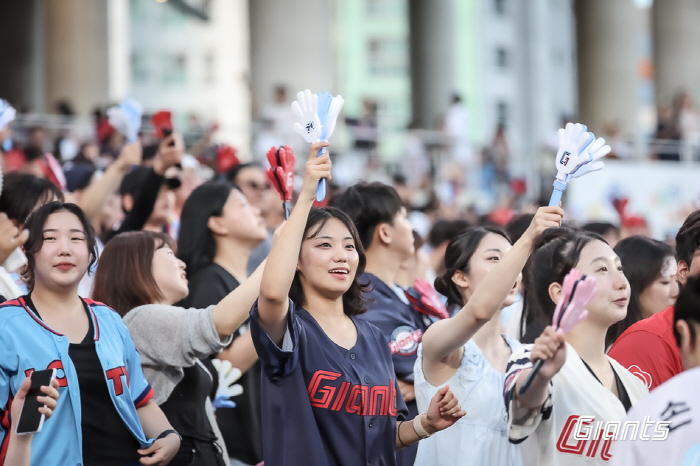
{"x": 480, "y": 437}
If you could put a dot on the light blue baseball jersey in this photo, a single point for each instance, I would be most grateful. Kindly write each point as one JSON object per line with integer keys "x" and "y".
{"x": 28, "y": 344}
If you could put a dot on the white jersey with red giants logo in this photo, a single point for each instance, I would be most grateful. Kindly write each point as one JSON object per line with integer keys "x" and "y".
{"x": 576, "y": 424}
{"x": 676, "y": 403}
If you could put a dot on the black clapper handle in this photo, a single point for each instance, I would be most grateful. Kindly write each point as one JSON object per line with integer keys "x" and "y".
{"x": 538, "y": 364}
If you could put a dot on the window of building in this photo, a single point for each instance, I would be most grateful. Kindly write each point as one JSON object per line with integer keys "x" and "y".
{"x": 209, "y": 68}
{"x": 502, "y": 113}
{"x": 174, "y": 71}
{"x": 379, "y": 8}
{"x": 501, "y": 57}
{"x": 499, "y": 6}
{"x": 139, "y": 68}
{"x": 387, "y": 57}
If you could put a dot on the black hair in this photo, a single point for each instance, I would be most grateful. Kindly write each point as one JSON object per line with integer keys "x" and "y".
{"x": 446, "y": 230}
{"x": 557, "y": 251}
{"x": 32, "y": 153}
{"x": 688, "y": 238}
{"x": 458, "y": 256}
{"x": 196, "y": 244}
{"x": 642, "y": 259}
{"x": 233, "y": 172}
{"x": 353, "y": 302}
{"x": 35, "y": 225}
{"x": 688, "y": 308}
{"x": 369, "y": 204}
{"x": 21, "y": 192}
{"x": 518, "y": 225}
{"x": 602, "y": 228}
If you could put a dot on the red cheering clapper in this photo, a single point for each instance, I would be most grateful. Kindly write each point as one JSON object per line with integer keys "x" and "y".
{"x": 226, "y": 158}
{"x": 577, "y": 291}
{"x": 281, "y": 174}
{"x": 425, "y": 299}
{"x": 162, "y": 123}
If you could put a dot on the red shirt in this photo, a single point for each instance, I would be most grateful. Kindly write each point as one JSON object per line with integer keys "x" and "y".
{"x": 648, "y": 349}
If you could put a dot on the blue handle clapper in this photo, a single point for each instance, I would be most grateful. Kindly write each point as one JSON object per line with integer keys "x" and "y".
{"x": 324, "y": 103}
{"x": 559, "y": 188}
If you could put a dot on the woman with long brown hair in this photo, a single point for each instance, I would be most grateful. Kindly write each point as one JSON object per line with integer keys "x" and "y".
{"x": 140, "y": 277}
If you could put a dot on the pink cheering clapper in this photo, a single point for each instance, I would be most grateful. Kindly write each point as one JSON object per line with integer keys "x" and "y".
{"x": 281, "y": 174}
{"x": 577, "y": 291}
{"x": 425, "y": 299}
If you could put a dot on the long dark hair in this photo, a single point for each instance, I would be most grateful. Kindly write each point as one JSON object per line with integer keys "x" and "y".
{"x": 196, "y": 243}
{"x": 642, "y": 259}
{"x": 557, "y": 251}
{"x": 353, "y": 302}
{"x": 457, "y": 257}
{"x": 124, "y": 277}
{"x": 35, "y": 224}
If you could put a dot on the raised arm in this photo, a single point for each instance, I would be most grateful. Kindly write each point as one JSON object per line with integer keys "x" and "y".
{"x": 281, "y": 266}
{"x": 234, "y": 308}
{"x": 99, "y": 191}
{"x": 446, "y": 336}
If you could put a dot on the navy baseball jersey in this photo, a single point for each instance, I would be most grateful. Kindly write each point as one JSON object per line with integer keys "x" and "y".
{"x": 403, "y": 329}
{"x": 28, "y": 344}
{"x": 401, "y": 325}
{"x": 324, "y": 405}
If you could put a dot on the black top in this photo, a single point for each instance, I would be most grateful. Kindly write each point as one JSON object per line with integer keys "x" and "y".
{"x": 621, "y": 390}
{"x": 241, "y": 427}
{"x": 106, "y": 439}
{"x": 184, "y": 408}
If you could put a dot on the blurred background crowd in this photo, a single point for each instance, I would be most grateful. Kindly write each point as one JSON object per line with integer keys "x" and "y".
{"x": 456, "y": 103}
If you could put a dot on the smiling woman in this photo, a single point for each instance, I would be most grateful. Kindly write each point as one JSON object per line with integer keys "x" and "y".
{"x": 577, "y": 377}
{"x": 52, "y": 327}
{"x": 311, "y": 344}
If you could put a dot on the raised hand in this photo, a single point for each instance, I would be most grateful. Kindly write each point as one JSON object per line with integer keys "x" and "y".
{"x": 317, "y": 168}
{"x": 130, "y": 154}
{"x": 170, "y": 153}
{"x": 545, "y": 217}
{"x": 549, "y": 347}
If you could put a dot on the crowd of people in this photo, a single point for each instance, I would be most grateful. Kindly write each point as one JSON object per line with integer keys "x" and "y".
{"x": 189, "y": 323}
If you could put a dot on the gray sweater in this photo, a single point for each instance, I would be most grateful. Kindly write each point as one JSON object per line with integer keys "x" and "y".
{"x": 170, "y": 338}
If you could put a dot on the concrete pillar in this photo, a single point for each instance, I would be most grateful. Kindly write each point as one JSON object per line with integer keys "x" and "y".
{"x": 607, "y": 35}
{"x": 676, "y": 56}
{"x": 22, "y": 55}
{"x": 290, "y": 46}
{"x": 433, "y": 64}
{"x": 77, "y": 53}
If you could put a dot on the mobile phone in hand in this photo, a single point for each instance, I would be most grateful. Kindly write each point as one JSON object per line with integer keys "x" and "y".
{"x": 30, "y": 419}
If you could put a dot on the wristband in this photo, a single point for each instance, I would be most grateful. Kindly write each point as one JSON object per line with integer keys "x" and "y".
{"x": 418, "y": 427}
{"x": 165, "y": 433}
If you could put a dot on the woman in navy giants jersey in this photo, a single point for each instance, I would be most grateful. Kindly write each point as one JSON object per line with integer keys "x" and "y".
{"x": 329, "y": 392}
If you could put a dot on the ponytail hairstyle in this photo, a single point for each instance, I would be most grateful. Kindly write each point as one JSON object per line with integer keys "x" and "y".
{"x": 353, "y": 302}
{"x": 458, "y": 254}
{"x": 557, "y": 251}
